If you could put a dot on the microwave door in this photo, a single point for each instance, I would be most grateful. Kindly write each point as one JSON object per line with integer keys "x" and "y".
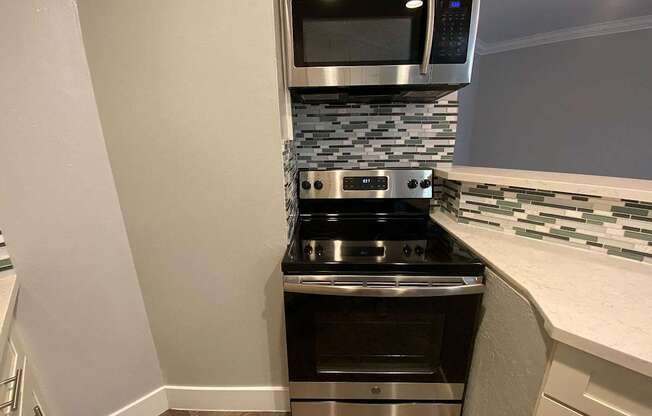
{"x": 357, "y": 33}
{"x": 377, "y": 42}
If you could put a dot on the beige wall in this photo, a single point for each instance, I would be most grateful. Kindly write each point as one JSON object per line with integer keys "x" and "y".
{"x": 80, "y": 308}
{"x": 189, "y": 102}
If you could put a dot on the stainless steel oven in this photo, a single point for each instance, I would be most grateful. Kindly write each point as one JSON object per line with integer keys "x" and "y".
{"x": 411, "y": 47}
{"x": 381, "y": 303}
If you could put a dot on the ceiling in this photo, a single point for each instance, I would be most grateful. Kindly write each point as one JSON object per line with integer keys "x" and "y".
{"x": 506, "y": 20}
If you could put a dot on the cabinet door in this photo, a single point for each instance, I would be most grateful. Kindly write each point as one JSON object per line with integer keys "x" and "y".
{"x": 29, "y": 391}
{"x": 597, "y": 387}
{"x": 549, "y": 407}
{"x": 510, "y": 356}
{"x": 7, "y": 370}
{"x": 30, "y": 399}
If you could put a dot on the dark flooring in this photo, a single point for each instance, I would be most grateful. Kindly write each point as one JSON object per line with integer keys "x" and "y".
{"x": 197, "y": 413}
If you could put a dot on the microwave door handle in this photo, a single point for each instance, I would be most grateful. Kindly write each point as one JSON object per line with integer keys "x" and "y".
{"x": 430, "y": 30}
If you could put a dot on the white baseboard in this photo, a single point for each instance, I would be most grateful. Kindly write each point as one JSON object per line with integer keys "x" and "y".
{"x": 243, "y": 399}
{"x": 151, "y": 404}
{"x": 253, "y": 398}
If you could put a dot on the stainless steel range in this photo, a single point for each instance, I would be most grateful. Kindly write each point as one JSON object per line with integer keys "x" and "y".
{"x": 381, "y": 303}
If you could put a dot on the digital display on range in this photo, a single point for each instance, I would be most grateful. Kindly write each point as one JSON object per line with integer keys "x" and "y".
{"x": 365, "y": 183}
{"x": 455, "y": 4}
{"x": 363, "y": 251}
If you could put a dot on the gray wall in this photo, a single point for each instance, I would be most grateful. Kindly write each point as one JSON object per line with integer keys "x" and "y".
{"x": 80, "y": 308}
{"x": 580, "y": 106}
{"x": 189, "y": 101}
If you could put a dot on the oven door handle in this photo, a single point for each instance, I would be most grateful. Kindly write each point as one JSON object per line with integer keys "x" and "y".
{"x": 384, "y": 292}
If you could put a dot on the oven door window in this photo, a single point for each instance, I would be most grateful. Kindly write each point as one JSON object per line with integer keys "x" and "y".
{"x": 360, "y": 32}
{"x": 333, "y": 338}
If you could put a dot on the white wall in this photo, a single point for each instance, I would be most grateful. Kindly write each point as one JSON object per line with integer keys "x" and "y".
{"x": 80, "y": 308}
{"x": 579, "y": 106}
{"x": 189, "y": 101}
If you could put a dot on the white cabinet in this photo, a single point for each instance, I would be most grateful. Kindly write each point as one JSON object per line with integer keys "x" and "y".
{"x": 548, "y": 407}
{"x": 15, "y": 362}
{"x": 593, "y": 387}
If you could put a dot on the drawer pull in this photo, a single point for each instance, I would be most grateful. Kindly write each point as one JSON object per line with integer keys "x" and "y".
{"x": 13, "y": 403}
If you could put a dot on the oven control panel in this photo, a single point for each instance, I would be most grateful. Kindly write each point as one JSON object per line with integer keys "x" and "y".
{"x": 363, "y": 184}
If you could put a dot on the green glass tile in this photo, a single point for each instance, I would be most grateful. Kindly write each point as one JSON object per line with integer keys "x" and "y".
{"x": 631, "y": 256}
{"x": 574, "y": 235}
{"x": 638, "y": 236}
{"x": 497, "y": 211}
{"x": 525, "y": 197}
{"x": 596, "y": 217}
{"x": 487, "y": 192}
{"x": 541, "y": 219}
{"x": 526, "y": 234}
{"x": 5, "y": 263}
{"x": 630, "y": 210}
{"x": 509, "y": 204}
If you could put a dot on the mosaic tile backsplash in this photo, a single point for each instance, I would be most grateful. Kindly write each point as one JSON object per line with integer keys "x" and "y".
{"x": 5, "y": 261}
{"x": 617, "y": 227}
{"x": 361, "y": 136}
{"x": 369, "y": 136}
{"x": 290, "y": 172}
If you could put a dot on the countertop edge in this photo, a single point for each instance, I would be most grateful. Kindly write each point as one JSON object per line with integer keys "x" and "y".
{"x": 620, "y": 188}
{"x": 8, "y": 302}
{"x": 587, "y": 345}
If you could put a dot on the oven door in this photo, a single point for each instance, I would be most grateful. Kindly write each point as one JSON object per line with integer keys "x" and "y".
{"x": 379, "y": 42}
{"x": 380, "y": 345}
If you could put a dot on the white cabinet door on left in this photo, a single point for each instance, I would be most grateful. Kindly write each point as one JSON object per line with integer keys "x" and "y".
{"x": 8, "y": 370}
{"x": 15, "y": 362}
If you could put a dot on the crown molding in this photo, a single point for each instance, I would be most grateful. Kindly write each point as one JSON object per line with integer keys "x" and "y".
{"x": 579, "y": 32}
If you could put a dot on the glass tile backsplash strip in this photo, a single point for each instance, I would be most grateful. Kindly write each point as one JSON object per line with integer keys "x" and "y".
{"x": 617, "y": 227}
{"x": 5, "y": 261}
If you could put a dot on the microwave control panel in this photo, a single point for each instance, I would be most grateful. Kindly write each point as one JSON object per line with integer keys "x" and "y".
{"x": 452, "y": 26}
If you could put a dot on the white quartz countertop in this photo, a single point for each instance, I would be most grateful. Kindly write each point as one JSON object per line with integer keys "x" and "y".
{"x": 8, "y": 295}
{"x": 595, "y": 303}
{"x": 605, "y": 186}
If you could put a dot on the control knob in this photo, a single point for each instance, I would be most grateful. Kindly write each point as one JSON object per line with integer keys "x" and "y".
{"x": 308, "y": 250}
{"x": 425, "y": 184}
{"x": 413, "y": 183}
{"x": 319, "y": 251}
{"x": 318, "y": 185}
{"x": 305, "y": 185}
{"x": 418, "y": 250}
{"x": 407, "y": 250}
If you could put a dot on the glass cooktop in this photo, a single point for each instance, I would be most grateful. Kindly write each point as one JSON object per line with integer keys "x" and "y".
{"x": 376, "y": 245}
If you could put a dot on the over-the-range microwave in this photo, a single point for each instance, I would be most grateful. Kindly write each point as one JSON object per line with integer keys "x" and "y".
{"x": 370, "y": 50}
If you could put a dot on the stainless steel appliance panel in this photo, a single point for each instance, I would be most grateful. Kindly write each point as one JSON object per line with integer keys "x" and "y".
{"x": 374, "y": 75}
{"x": 376, "y": 391}
{"x": 332, "y": 184}
{"x": 333, "y": 408}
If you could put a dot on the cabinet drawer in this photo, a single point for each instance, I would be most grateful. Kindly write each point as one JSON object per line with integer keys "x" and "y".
{"x": 597, "y": 387}
{"x": 548, "y": 407}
